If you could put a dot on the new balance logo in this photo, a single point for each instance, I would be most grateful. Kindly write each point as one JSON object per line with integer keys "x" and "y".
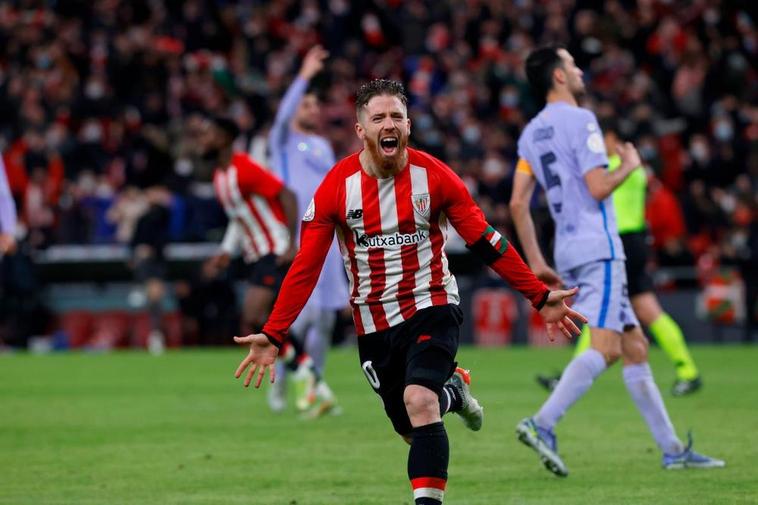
{"x": 355, "y": 213}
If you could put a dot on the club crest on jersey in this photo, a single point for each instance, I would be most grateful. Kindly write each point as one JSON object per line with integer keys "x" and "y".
{"x": 421, "y": 204}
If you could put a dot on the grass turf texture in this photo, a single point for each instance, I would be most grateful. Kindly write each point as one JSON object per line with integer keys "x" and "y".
{"x": 128, "y": 428}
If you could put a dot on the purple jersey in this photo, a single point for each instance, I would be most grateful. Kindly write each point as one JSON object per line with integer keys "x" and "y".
{"x": 7, "y": 205}
{"x": 301, "y": 161}
{"x": 561, "y": 144}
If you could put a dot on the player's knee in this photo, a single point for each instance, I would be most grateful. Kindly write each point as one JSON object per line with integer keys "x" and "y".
{"x": 421, "y": 402}
{"x": 612, "y": 355}
{"x": 635, "y": 347}
{"x": 610, "y": 349}
{"x": 608, "y": 343}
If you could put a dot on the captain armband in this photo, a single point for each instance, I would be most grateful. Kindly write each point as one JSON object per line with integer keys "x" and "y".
{"x": 490, "y": 246}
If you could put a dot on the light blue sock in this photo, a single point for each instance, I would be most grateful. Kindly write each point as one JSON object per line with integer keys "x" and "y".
{"x": 646, "y": 395}
{"x": 575, "y": 381}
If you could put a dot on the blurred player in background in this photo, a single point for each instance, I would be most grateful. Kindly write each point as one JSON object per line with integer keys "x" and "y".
{"x": 301, "y": 158}
{"x": 390, "y": 205}
{"x": 148, "y": 261}
{"x": 629, "y": 206}
{"x": 262, "y": 216}
{"x": 562, "y": 148}
{"x": 7, "y": 216}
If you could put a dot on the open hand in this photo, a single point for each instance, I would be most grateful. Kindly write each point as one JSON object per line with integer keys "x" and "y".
{"x": 262, "y": 356}
{"x": 313, "y": 62}
{"x": 555, "y": 312}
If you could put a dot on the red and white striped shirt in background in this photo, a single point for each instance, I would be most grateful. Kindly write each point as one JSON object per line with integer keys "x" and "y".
{"x": 249, "y": 195}
{"x": 392, "y": 235}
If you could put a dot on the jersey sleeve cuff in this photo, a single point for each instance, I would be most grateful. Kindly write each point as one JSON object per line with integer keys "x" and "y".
{"x": 542, "y": 300}
{"x": 276, "y": 343}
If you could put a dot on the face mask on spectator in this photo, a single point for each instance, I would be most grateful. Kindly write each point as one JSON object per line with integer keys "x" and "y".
{"x": 723, "y": 130}
{"x": 471, "y": 134}
{"x": 699, "y": 151}
{"x": 648, "y": 152}
{"x": 94, "y": 90}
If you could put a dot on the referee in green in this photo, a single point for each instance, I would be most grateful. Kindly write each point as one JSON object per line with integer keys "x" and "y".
{"x": 629, "y": 204}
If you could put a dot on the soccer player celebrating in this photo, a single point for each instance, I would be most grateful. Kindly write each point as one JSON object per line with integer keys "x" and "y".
{"x": 302, "y": 158}
{"x": 390, "y": 205}
{"x": 562, "y": 148}
{"x": 629, "y": 205}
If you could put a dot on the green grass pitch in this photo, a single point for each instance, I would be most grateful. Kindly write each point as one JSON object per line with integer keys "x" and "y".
{"x": 128, "y": 428}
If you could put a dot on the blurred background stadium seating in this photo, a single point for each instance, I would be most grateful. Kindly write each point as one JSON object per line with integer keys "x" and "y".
{"x": 101, "y": 100}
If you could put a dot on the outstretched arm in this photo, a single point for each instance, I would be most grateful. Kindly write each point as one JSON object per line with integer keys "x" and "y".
{"x": 312, "y": 64}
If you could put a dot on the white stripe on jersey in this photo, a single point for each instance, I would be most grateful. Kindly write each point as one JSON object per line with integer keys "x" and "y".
{"x": 393, "y": 263}
{"x": 451, "y": 285}
{"x": 354, "y": 202}
{"x": 420, "y": 186}
{"x": 246, "y": 217}
{"x": 278, "y": 231}
{"x": 222, "y": 190}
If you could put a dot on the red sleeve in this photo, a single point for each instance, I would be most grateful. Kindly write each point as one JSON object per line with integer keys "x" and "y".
{"x": 469, "y": 221}
{"x": 254, "y": 179}
{"x": 316, "y": 235}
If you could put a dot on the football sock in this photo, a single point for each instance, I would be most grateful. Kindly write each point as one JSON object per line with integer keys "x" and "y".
{"x": 669, "y": 336}
{"x": 450, "y": 400}
{"x": 575, "y": 381}
{"x": 427, "y": 463}
{"x": 294, "y": 356}
{"x": 583, "y": 342}
{"x": 319, "y": 337}
{"x": 646, "y": 395}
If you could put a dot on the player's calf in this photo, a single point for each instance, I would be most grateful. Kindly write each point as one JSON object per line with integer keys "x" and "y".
{"x": 427, "y": 463}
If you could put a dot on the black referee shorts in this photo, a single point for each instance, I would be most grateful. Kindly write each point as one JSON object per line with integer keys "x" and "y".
{"x": 637, "y": 253}
{"x": 418, "y": 351}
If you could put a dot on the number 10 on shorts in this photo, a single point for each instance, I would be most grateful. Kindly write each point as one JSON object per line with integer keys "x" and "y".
{"x": 370, "y": 373}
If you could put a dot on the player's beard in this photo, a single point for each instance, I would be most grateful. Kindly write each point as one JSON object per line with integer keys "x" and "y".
{"x": 578, "y": 90}
{"x": 306, "y": 125}
{"x": 387, "y": 164}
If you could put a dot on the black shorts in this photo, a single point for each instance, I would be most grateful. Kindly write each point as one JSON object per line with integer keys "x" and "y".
{"x": 150, "y": 268}
{"x": 419, "y": 351}
{"x": 636, "y": 250}
{"x": 266, "y": 273}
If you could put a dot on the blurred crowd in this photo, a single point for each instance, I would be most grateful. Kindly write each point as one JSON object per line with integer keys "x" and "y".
{"x": 101, "y": 101}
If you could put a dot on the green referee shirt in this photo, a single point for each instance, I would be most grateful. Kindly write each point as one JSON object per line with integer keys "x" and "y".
{"x": 629, "y": 198}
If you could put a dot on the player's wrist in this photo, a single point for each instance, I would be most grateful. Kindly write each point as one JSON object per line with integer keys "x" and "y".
{"x": 276, "y": 343}
{"x": 542, "y": 300}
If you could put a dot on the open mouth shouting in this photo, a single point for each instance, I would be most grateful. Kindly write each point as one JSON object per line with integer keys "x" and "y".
{"x": 389, "y": 145}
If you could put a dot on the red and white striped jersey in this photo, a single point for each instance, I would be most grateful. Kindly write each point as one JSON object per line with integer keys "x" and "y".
{"x": 249, "y": 195}
{"x": 392, "y": 235}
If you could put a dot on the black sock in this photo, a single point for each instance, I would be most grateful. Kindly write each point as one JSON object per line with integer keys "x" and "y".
{"x": 427, "y": 463}
{"x": 156, "y": 313}
{"x": 295, "y": 356}
{"x": 450, "y": 400}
